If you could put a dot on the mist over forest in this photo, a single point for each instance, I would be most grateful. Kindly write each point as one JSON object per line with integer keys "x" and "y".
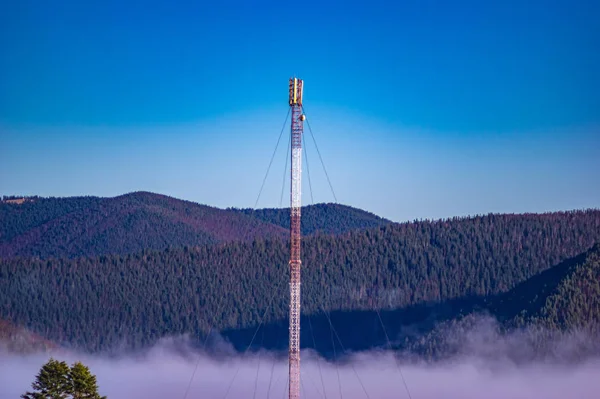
{"x": 486, "y": 367}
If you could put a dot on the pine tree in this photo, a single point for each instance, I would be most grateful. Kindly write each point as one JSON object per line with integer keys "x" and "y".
{"x": 51, "y": 383}
{"x": 83, "y": 383}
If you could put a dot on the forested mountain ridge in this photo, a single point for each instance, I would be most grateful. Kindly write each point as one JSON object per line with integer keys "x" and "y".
{"x": 98, "y": 303}
{"x": 90, "y": 226}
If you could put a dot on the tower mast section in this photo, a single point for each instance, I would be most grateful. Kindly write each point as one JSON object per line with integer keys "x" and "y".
{"x": 295, "y": 102}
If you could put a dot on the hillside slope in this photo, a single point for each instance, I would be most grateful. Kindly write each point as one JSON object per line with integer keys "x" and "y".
{"x": 575, "y": 301}
{"x": 97, "y": 303}
{"x": 529, "y": 300}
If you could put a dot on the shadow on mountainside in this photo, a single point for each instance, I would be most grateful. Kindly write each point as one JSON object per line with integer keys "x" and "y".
{"x": 355, "y": 331}
{"x": 529, "y": 297}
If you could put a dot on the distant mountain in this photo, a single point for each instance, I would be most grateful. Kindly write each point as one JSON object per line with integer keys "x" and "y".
{"x": 91, "y": 226}
{"x": 417, "y": 274}
{"x": 321, "y": 218}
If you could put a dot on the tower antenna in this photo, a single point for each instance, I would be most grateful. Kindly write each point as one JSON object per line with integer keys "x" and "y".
{"x": 295, "y": 102}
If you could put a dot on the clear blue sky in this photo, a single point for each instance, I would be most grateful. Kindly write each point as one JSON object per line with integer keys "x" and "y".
{"x": 421, "y": 109}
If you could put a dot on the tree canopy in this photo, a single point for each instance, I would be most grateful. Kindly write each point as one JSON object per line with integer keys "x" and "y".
{"x": 56, "y": 380}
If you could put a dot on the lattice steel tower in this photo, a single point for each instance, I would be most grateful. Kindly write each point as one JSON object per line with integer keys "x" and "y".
{"x": 295, "y": 101}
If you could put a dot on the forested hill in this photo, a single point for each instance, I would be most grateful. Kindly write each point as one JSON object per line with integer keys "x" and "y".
{"x": 564, "y": 297}
{"x": 102, "y": 302}
{"x": 89, "y": 226}
{"x": 321, "y": 218}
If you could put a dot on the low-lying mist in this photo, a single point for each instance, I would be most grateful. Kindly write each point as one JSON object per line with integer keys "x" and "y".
{"x": 484, "y": 368}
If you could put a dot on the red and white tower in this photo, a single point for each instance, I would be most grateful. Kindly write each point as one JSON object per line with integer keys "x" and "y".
{"x": 295, "y": 101}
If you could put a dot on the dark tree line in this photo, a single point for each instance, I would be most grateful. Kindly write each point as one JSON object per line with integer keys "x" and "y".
{"x": 108, "y": 301}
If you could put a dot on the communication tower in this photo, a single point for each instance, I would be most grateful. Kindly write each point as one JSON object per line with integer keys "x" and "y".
{"x": 295, "y": 101}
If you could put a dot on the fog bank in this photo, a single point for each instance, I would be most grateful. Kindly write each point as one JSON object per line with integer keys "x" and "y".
{"x": 164, "y": 372}
{"x": 485, "y": 364}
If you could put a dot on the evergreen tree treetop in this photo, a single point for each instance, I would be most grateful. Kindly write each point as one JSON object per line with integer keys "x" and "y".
{"x": 56, "y": 380}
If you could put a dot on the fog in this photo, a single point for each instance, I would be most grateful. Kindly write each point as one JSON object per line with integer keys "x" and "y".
{"x": 482, "y": 370}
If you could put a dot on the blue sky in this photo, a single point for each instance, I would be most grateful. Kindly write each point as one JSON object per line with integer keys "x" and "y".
{"x": 421, "y": 109}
